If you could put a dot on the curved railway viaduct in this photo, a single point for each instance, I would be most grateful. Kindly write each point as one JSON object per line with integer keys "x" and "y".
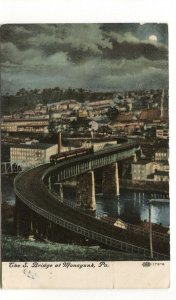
{"x": 41, "y": 212}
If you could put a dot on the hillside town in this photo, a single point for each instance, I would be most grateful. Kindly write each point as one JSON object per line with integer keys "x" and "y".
{"x": 141, "y": 116}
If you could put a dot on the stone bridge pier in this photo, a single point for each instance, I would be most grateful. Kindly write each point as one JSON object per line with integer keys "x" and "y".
{"x": 85, "y": 187}
{"x": 110, "y": 180}
{"x": 56, "y": 186}
{"x": 85, "y": 190}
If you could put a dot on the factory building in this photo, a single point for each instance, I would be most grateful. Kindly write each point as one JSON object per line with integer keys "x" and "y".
{"x": 30, "y": 155}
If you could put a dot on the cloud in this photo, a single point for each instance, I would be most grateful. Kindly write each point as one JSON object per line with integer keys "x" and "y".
{"x": 92, "y": 74}
{"x": 88, "y": 37}
{"x": 129, "y": 37}
{"x": 98, "y": 56}
{"x": 30, "y": 58}
{"x": 81, "y": 41}
{"x": 135, "y": 50}
{"x": 126, "y": 37}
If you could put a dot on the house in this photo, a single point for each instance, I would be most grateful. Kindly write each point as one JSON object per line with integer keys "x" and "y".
{"x": 162, "y": 134}
{"x": 141, "y": 169}
{"x": 125, "y": 117}
{"x": 162, "y": 154}
{"x": 82, "y": 113}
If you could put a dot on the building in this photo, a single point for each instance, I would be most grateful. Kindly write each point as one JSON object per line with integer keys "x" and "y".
{"x": 25, "y": 125}
{"x": 160, "y": 166}
{"x": 162, "y": 154}
{"x": 127, "y": 127}
{"x": 100, "y": 143}
{"x": 82, "y": 113}
{"x": 33, "y": 129}
{"x": 59, "y": 125}
{"x": 64, "y": 105}
{"x": 161, "y": 176}
{"x": 125, "y": 117}
{"x": 103, "y": 102}
{"x": 141, "y": 170}
{"x": 30, "y": 155}
{"x": 55, "y": 115}
{"x": 162, "y": 134}
{"x": 150, "y": 171}
{"x": 104, "y": 129}
{"x": 40, "y": 108}
{"x": 150, "y": 115}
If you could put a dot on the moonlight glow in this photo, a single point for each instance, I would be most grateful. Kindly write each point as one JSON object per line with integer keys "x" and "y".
{"x": 153, "y": 38}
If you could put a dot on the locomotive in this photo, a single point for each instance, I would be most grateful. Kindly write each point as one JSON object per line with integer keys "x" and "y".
{"x": 54, "y": 159}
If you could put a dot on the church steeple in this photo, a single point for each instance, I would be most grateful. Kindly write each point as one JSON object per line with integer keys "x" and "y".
{"x": 162, "y": 105}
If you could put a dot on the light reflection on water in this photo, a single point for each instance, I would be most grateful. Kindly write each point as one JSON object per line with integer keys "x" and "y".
{"x": 132, "y": 207}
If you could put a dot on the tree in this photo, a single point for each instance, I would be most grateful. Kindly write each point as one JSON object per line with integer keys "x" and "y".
{"x": 112, "y": 113}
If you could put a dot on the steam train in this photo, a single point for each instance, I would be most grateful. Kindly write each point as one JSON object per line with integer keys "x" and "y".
{"x": 54, "y": 159}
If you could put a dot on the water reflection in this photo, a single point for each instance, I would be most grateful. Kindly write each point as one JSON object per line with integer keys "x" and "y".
{"x": 7, "y": 190}
{"x": 133, "y": 207}
{"x": 130, "y": 206}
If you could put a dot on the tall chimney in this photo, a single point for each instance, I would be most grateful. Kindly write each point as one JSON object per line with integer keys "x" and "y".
{"x": 59, "y": 141}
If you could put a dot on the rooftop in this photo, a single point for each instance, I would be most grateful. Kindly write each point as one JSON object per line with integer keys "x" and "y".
{"x": 125, "y": 117}
{"x": 142, "y": 162}
{"x": 150, "y": 114}
{"x": 34, "y": 146}
{"x": 24, "y": 120}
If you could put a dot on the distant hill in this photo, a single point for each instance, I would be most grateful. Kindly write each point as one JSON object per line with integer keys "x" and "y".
{"x": 28, "y": 99}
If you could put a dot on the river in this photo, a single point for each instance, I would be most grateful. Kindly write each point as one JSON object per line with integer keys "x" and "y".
{"x": 130, "y": 206}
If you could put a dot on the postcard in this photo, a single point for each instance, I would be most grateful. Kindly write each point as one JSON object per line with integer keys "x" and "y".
{"x": 84, "y": 155}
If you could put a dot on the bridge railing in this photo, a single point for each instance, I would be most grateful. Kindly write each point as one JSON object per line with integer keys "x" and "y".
{"x": 155, "y": 234}
{"x": 9, "y": 168}
{"x": 102, "y": 218}
{"x": 115, "y": 243}
{"x": 108, "y": 156}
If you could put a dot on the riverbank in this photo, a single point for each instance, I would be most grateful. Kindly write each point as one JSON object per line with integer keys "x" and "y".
{"x": 141, "y": 186}
{"x": 145, "y": 186}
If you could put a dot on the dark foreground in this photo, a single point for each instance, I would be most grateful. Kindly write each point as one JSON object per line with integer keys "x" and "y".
{"x": 14, "y": 249}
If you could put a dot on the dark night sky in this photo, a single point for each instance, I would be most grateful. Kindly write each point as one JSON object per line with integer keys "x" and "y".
{"x": 93, "y": 56}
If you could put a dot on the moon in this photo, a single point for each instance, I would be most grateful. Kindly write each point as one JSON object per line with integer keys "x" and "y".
{"x": 153, "y": 38}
